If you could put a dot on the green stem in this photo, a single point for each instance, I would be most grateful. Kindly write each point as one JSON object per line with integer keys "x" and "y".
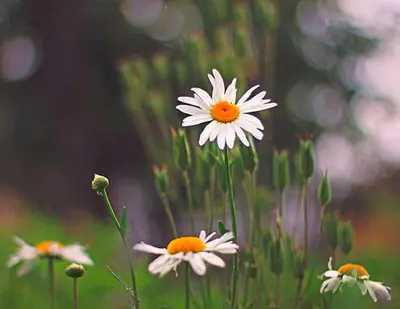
{"x": 187, "y": 286}
{"x": 211, "y": 198}
{"x": 234, "y": 227}
{"x": 250, "y": 201}
{"x": 280, "y": 204}
{"x": 305, "y": 213}
{"x": 278, "y": 291}
{"x": 189, "y": 197}
{"x": 298, "y": 293}
{"x": 126, "y": 246}
{"x": 75, "y": 284}
{"x": 167, "y": 208}
{"x": 52, "y": 283}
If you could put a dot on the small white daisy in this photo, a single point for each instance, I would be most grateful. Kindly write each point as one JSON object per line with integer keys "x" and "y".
{"x": 227, "y": 118}
{"x": 351, "y": 274}
{"x": 28, "y": 254}
{"x": 194, "y": 250}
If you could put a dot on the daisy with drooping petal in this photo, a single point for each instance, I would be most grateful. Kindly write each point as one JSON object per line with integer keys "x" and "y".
{"x": 195, "y": 250}
{"x": 354, "y": 274}
{"x": 28, "y": 254}
{"x": 227, "y": 118}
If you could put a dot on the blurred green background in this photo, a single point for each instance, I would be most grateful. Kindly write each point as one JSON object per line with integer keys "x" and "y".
{"x": 90, "y": 87}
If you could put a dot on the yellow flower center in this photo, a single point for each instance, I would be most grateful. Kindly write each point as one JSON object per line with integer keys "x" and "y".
{"x": 225, "y": 112}
{"x": 348, "y": 270}
{"x": 185, "y": 245}
{"x": 45, "y": 246}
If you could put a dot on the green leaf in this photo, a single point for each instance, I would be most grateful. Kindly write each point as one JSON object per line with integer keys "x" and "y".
{"x": 221, "y": 227}
{"x": 122, "y": 221}
{"x": 125, "y": 286}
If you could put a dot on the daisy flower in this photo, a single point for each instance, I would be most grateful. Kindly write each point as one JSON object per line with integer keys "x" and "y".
{"x": 351, "y": 274}
{"x": 227, "y": 118}
{"x": 194, "y": 250}
{"x": 28, "y": 254}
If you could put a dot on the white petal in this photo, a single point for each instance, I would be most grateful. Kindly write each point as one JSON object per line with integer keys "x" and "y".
{"x": 203, "y": 95}
{"x": 224, "y": 238}
{"x": 348, "y": 279}
{"x": 212, "y": 81}
{"x": 209, "y": 237}
{"x": 221, "y": 138}
{"x": 149, "y": 249}
{"x": 189, "y": 100}
{"x": 246, "y": 95}
{"x": 212, "y": 259}
{"x": 331, "y": 273}
{"x": 195, "y": 120}
{"x": 219, "y": 85}
{"x": 158, "y": 263}
{"x": 249, "y": 127}
{"x": 13, "y": 260}
{"x": 362, "y": 287}
{"x": 256, "y": 100}
{"x": 230, "y": 135}
{"x": 190, "y": 110}
{"x": 239, "y": 132}
{"x": 202, "y": 235}
{"x": 214, "y": 133}
{"x": 259, "y": 108}
{"x": 378, "y": 291}
{"x": 226, "y": 248}
{"x": 331, "y": 284}
{"x": 25, "y": 267}
{"x": 253, "y": 120}
{"x": 197, "y": 263}
{"x": 230, "y": 94}
{"x": 208, "y": 130}
{"x": 76, "y": 254}
{"x": 172, "y": 264}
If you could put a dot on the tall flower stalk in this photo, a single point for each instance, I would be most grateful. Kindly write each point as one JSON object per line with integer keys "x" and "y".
{"x": 52, "y": 282}
{"x": 100, "y": 185}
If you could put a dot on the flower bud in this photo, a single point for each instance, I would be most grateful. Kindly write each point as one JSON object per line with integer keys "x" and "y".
{"x": 324, "y": 191}
{"x": 203, "y": 169}
{"x": 307, "y": 159}
{"x": 346, "y": 237}
{"x": 331, "y": 230}
{"x": 281, "y": 169}
{"x": 249, "y": 157}
{"x": 239, "y": 42}
{"x": 298, "y": 265}
{"x": 75, "y": 271}
{"x": 99, "y": 183}
{"x": 210, "y": 152}
{"x": 266, "y": 241}
{"x": 276, "y": 256}
{"x": 161, "y": 179}
{"x": 239, "y": 172}
{"x": 250, "y": 264}
{"x": 181, "y": 149}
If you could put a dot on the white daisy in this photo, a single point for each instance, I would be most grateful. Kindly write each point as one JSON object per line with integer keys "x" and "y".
{"x": 227, "y": 118}
{"x": 28, "y": 254}
{"x": 194, "y": 250}
{"x": 354, "y": 274}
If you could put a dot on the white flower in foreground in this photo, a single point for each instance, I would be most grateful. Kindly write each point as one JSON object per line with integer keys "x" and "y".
{"x": 28, "y": 254}
{"x": 194, "y": 250}
{"x": 227, "y": 118}
{"x": 354, "y": 274}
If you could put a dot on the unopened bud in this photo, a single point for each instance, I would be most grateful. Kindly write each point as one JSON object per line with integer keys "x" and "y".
{"x": 238, "y": 169}
{"x": 161, "y": 179}
{"x": 307, "y": 159}
{"x": 298, "y": 265}
{"x": 99, "y": 183}
{"x": 276, "y": 256}
{"x": 75, "y": 271}
{"x": 181, "y": 149}
{"x": 249, "y": 157}
{"x": 281, "y": 169}
{"x": 346, "y": 237}
{"x": 210, "y": 153}
{"x": 250, "y": 264}
{"x": 331, "y": 231}
{"x": 267, "y": 240}
{"x": 324, "y": 191}
{"x": 203, "y": 169}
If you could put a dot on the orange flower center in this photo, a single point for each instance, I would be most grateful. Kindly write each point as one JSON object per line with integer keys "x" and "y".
{"x": 348, "y": 270}
{"x": 225, "y": 112}
{"x": 185, "y": 245}
{"x": 44, "y": 247}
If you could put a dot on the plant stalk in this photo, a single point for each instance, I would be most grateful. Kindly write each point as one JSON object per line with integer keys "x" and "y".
{"x": 75, "y": 284}
{"x": 187, "y": 286}
{"x": 189, "y": 195}
{"x": 52, "y": 283}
